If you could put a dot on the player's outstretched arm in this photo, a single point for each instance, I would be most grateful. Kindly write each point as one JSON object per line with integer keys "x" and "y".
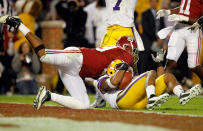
{"x": 17, "y": 24}
{"x": 158, "y": 60}
{"x": 164, "y": 12}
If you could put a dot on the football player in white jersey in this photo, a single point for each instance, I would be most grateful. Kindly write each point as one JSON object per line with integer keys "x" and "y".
{"x": 120, "y": 22}
{"x": 185, "y": 15}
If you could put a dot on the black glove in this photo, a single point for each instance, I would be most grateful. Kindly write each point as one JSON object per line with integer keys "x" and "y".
{"x": 122, "y": 66}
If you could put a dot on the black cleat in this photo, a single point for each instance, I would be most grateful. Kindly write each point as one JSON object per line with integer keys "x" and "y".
{"x": 191, "y": 93}
{"x": 42, "y": 96}
{"x": 157, "y": 101}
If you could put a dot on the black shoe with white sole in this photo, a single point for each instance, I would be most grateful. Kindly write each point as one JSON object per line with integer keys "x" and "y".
{"x": 191, "y": 93}
{"x": 157, "y": 101}
{"x": 43, "y": 95}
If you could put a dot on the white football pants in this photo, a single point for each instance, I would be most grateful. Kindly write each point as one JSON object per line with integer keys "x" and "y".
{"x": 182, "y": 38}
{"x": 69, "y": 62}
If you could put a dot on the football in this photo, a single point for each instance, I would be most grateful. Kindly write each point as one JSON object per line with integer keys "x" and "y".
{"x": 126, "y": 80}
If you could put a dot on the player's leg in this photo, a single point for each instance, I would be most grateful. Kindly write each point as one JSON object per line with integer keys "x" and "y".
{"x": 114, "y": 33}
{"x": 133, "y": 93}
{"x": 58, "y": 58}
{"x": 69, "y": 62}
{"x": 44, "y": 95}
{"x": 141, "y": 104}
{"x": 76, "y": 87}
{"x": 194, "y": 43}
{"x": 69, "y": 59}
{"x": 176, "y": 46}
{"x": 153, "y": 100}
{"x": 107, "y": 36}
{"x": 168, "y": 80}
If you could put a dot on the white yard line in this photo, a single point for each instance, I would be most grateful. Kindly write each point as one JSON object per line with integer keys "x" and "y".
{"x": 53, "y": 124}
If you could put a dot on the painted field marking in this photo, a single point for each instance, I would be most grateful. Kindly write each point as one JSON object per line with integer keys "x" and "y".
{"x": 53, "y": 124}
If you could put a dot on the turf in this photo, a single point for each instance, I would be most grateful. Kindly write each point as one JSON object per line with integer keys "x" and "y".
{"x": 194, "y": 107}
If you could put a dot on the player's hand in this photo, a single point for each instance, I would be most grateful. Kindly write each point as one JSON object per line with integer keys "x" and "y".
{"x": 162, "y": 13}
{"x": 175, "y": 17}
{"x": 90, "y": 81}
{"x": 159, "y": 56}
{"x": 194, "y": 27}
{"x": 122, "y": 66}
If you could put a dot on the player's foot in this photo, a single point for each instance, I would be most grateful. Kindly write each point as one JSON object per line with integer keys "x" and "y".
{"x": 13, "y": 21}
{"x": 42, "y": 96}
{"x": 157, "y": 100}
{"x": 191, "y": 93}
{"x": 99, "y": 102}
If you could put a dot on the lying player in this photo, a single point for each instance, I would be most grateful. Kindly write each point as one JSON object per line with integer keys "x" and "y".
{"x": 145, "y": 90}
{"x": 73, "y": 63}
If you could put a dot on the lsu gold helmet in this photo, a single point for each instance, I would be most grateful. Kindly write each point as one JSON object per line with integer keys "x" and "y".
{"x": 112, "y": 67}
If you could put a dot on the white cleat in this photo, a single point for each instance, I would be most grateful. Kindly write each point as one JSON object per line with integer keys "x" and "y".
{"x": 188, "y": 95}
{"x": 157, "y": 101}
{"x": 42, "y": 96}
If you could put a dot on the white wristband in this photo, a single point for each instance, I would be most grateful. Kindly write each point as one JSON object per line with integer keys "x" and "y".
{"x": 109, "y": 83}
{"x": 24, "y": 29}
{"x": 95, "y": 83}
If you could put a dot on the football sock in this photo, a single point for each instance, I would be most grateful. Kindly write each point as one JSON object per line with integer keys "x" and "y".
{"x": 66, "y": 101}
{"x": 24, "y": 29}
{"x": 178, "y": 90}
{"x": 150, "y": 90}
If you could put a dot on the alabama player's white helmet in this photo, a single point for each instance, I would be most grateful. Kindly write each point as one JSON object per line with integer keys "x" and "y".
{"x": 128, "y": 44}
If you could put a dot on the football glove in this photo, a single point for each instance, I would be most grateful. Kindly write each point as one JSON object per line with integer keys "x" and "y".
{"x": 159, "y": 56}
{"x": 162, "y": 13}
{"x": 122, "y": 66}
{"x": 12, "y": 21}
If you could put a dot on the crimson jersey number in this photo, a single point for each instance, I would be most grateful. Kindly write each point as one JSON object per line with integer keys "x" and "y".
{"x": 116, "y": 7}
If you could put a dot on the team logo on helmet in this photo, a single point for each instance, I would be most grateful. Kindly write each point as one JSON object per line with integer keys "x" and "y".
{"x": 112, "y": 67}
{"x": 127, "y": 43}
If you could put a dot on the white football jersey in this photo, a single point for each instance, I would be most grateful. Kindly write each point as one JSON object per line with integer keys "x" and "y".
{"x": 120, "y": 12}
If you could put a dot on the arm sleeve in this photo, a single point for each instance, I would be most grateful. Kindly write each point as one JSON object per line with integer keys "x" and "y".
{"x": 16, "y": 63}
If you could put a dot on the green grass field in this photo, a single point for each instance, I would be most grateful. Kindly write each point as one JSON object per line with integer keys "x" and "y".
{"x": 194, "y": 107}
